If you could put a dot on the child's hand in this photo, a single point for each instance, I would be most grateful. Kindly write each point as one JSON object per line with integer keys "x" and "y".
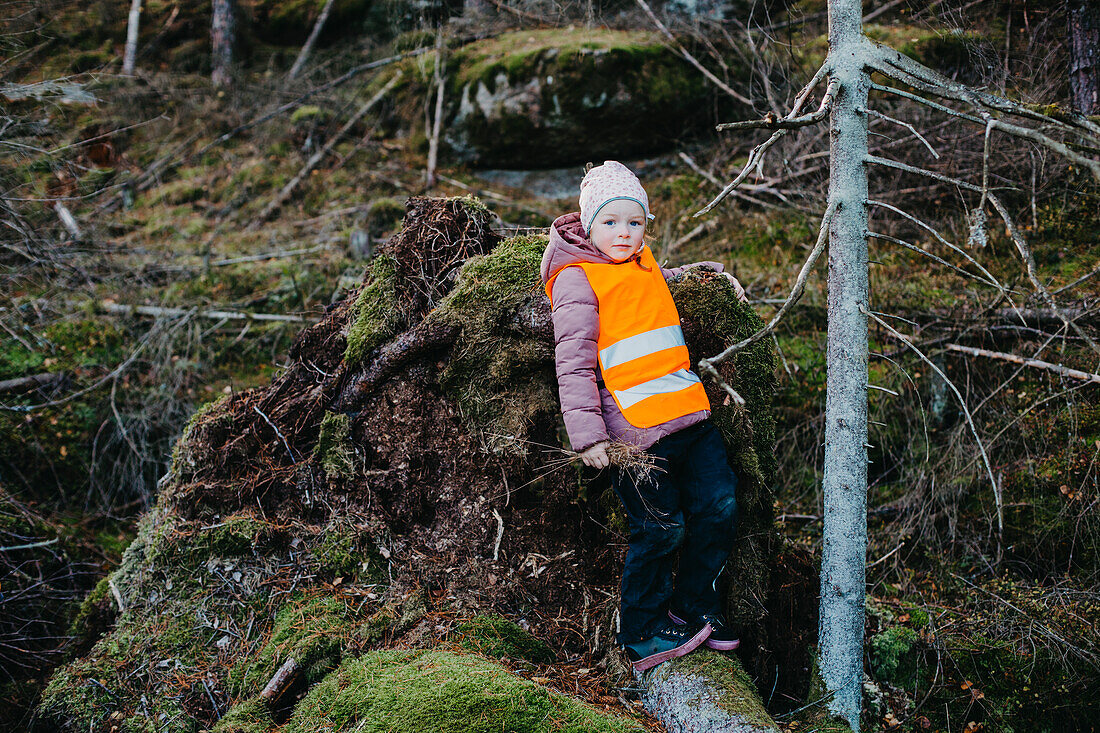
{"x": 737, "y": 288}
{"x": 596, "y": 456}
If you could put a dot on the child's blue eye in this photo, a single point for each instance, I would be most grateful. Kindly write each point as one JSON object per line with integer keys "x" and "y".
{"x": 635, "y": 223}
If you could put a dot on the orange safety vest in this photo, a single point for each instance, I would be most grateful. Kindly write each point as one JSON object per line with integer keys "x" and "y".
{"x": 642, "y": 353}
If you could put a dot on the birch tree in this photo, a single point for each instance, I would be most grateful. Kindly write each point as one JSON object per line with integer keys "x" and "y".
{"x": 846, "y": 104}
{"x": 132, "y": 24}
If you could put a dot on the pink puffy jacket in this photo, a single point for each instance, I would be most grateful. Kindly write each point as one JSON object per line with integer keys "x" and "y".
{"x": 590, "y": 412}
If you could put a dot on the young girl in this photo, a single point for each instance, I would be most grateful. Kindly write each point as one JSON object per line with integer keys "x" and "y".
{"x": 624, "y": 373}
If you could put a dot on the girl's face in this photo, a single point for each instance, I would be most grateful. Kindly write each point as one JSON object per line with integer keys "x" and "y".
{"x": 619, "y": 229}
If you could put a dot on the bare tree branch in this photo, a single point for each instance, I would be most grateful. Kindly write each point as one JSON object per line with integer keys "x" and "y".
{"x": 954, "y": 248}
{"x": 929, "y": 255}
{"x": 771, "y": 122}
{"x": 962, "y": 403}
{"x": 796, "y": 293}
{"x": 161, "y": 312}
{"x": 1024, "y": 361}
{"x": 691, "y": 59}
{"x": 892, "y": 63}
{"x": 911, "y": 129}
{"x": 756, "y": 157}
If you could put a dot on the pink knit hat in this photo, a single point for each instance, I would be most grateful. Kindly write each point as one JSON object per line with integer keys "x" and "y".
{"x": 606, "y": 183}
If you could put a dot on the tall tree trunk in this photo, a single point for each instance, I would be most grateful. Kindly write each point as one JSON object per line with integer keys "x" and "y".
{"x": 843, "y": 553}
{"x": 222, "y": 32}
{"x": 130, "y": 55}
{"x": 1083, "y": 19}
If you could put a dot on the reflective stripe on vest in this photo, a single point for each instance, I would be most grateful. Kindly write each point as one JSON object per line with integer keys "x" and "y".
{"x": 678, "y": 380}
{"x": 641, "y": 350}
{"x": 635, "y": 347}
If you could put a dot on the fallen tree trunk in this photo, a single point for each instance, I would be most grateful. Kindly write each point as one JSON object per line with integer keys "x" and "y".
{"x": 705, "y": 692}
{"x": 33, "y": 381}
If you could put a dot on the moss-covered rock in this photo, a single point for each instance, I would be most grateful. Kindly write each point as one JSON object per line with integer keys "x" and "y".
{"x": 394, "y": 691}
{"x": 557, "y": 96}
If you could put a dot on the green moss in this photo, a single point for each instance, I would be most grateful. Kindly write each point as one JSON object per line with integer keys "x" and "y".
{"x": 308, "y": 112}
{"x": 117, "y": 663}
{"x": 396, "y": 691}
{"x": 892, "y": 655}
{"x": 384, "y": 215}
{"x": 510, "y": 270}
{"x": 499, "y": 380}
{"x": 89, "y": 620}
{"x": 376, "y": 318}
{"x": 348, "y": 551}
{"x": 334, "y": 448}
{"x": 312, "y": 631}
{"x": 250, "y": 716}
{"x": 183, "y": 545}
{"x": 495, "y": 636}
{"x": 517, "y": 53}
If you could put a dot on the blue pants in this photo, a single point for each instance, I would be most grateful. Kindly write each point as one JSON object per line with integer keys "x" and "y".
{"x": 690, "y": 506}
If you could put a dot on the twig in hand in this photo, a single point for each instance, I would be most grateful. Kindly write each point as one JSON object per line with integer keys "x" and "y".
{"x": 626, "y": 456}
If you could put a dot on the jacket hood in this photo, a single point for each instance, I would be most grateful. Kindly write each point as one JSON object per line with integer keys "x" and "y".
{"x": 568, "y": 246}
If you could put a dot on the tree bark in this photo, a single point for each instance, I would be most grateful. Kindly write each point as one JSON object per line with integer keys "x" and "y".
{"x": 1084, "y": 55}
{"x": 130, "y": 55}
{"x": 844, "y": 541}
{"x": 222, "y": 36}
